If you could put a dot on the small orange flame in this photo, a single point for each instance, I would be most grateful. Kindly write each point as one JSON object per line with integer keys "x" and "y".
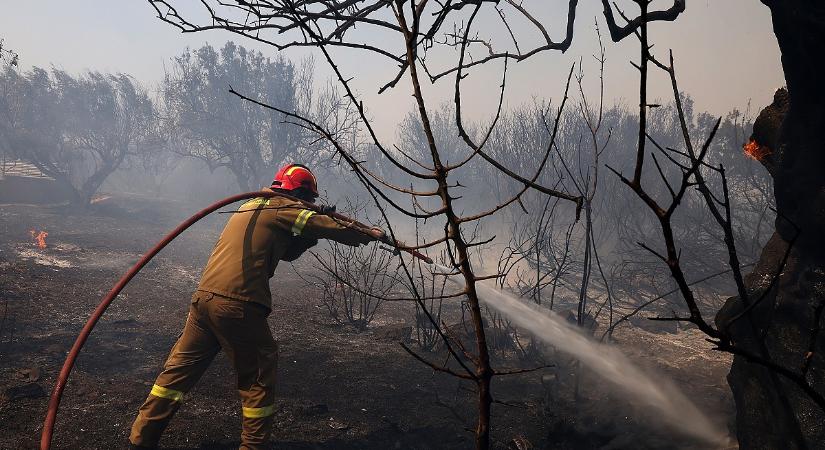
{"x": 755, "y": 151}
{"x": 39, "y": 237}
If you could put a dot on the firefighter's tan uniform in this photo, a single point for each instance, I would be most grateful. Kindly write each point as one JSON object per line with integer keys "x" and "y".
{"x": 229, "y": 311}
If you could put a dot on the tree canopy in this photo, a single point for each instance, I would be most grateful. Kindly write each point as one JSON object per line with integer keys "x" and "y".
{"x": 207, "y": 122}
{"x": 75, "y": 129}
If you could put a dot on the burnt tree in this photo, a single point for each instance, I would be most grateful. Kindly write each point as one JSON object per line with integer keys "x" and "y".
{"x": 405, "y": 32}
{"x": 787, "y": 322}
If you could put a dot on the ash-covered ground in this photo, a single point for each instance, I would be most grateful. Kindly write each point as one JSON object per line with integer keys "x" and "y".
{"x": 339, "y": 389}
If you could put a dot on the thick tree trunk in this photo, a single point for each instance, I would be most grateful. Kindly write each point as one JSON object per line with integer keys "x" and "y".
{"x": 93, "y": 183}
{"x": 772, "y": 413}
{"x": 74, "y": 195}
{"x": 241, "y": 177}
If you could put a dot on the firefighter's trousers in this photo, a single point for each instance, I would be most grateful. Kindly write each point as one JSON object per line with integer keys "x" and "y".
{"x": 241, "y": 330}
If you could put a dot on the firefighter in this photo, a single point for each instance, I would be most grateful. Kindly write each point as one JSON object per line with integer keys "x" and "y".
{"x": 229, "y": 309}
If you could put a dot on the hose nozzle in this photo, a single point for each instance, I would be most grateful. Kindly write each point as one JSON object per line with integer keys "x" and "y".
{"x": 395, "y": 247}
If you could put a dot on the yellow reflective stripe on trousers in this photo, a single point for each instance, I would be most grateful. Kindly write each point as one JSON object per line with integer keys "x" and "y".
{"x": 303, "y": 216}
{"x": 257, "y": 413}
{"x": 162, "y": 392}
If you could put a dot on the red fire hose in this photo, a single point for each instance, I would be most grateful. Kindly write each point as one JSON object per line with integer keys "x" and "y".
{"x": 62, "y": 378}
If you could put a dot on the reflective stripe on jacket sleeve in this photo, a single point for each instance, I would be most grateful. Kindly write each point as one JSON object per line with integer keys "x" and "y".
{"x": 301, "y": 221}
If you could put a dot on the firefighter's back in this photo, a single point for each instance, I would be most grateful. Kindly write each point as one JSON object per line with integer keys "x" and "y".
{"x": 247, "y": 251}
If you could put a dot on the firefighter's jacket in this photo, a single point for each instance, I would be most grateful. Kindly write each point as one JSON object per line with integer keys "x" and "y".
{"x": 262, "y": 232}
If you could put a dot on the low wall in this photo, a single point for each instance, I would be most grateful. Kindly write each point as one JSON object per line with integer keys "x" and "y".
{"x": 14, "y": 189}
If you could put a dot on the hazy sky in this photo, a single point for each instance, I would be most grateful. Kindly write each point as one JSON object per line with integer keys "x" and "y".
{"x": 725, "y": 51}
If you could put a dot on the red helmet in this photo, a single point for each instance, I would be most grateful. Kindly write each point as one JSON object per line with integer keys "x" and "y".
{"x": 294, "y": 176}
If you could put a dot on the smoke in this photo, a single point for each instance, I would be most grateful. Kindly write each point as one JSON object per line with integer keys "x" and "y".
{"x": 607, "y": 362}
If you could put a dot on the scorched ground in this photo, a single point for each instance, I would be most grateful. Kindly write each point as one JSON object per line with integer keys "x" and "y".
{"x": 337, "y": 388}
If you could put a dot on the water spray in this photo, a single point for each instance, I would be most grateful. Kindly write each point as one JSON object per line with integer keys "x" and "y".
{"x": 605, "y": 361}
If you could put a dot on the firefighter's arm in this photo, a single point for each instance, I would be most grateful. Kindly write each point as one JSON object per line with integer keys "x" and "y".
{"x": 297, "y": 246}
{"x": 313, "y": 225}
{"x": 321, "y": 226}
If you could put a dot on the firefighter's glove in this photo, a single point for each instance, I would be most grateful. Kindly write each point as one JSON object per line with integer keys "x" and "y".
{"x": 381, "y": 236}
{"x": 326, "y": 209}
{"x": 389, "y": 243}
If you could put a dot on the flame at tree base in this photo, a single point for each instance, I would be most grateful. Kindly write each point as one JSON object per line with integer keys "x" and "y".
{"x": 39, "y": 237}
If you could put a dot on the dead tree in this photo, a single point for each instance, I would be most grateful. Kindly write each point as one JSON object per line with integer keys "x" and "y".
{"x": 785, "y": 311}
{"x": 770, "y": 327}
{"x": 354, "y": 281}
{"x": 408, "y": 30}
{"x": 586, "y": 184}
{"x": 559, "y": 257}
{"x": 366, "y": 270}
{"x": 431, "y": 288}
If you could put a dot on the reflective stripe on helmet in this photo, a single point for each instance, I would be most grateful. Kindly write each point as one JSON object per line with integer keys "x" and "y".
{"x": 170, "y": 394}
{"x": 258, "y": 413}
{"x": 294, "y": 176}
{"x": 301, "y": 220}
{"x": 296, "y": 167}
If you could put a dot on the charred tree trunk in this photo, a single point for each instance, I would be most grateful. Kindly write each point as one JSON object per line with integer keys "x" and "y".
{"x": 789, "y": 280}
